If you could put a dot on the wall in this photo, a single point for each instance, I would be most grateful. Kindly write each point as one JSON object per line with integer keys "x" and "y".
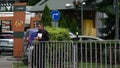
{"x": 10, "y": 14}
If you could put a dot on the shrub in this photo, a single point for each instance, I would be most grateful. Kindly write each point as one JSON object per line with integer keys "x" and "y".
{"x": 57, "y": 33}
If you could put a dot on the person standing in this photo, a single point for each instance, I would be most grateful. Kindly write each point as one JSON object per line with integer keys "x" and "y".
{"x": 42, "y": 36}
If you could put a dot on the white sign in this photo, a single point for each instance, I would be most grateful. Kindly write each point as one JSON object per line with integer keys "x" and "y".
{"x": 6, "y": 14}
{"x": 40, "y": 35}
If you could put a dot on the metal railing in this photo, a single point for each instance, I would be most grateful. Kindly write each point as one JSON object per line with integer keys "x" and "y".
{"x": 69, "y": 54}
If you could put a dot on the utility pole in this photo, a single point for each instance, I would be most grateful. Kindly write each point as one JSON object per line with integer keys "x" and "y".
{"x": 116, "y": 9}
{"x": 76, "y": 4}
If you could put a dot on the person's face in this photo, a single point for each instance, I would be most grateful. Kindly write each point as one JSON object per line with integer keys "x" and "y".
{"x": 40, "y": 27}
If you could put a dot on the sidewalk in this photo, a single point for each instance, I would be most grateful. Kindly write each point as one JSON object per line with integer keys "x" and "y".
{"x": 12, "y": 59}
{"x": 6, "y": 60}
{"x": 6, "y": 64}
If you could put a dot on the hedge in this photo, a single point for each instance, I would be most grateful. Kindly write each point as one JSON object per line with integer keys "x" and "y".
{"x": 58, "y": 33}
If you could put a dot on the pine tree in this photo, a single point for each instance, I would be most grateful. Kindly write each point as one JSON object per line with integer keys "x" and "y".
{"x": 72, "y": 26}
{"x": 46, "y": 19}
{"x": 33, "y": 2}
{"x": 62, "y": 21}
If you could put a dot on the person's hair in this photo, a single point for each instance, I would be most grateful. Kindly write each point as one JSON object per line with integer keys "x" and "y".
{"x": 40, "y": 24}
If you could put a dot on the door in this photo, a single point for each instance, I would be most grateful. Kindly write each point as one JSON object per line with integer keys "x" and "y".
{"x": 88, "y": 28}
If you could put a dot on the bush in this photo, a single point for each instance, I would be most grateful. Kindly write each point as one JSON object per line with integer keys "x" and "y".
{"x": 57, "y": 33}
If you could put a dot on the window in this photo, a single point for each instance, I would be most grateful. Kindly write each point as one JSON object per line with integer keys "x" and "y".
{"x": 6, "y": 25}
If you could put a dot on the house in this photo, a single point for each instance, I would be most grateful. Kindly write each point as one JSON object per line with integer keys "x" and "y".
{"x": 6, "y": 24}
{"x": 7, "y": 10}
{"x": 87, "y": 13}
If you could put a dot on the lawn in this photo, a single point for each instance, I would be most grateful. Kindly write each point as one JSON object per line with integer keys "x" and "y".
{"x": 84, "y": 65}
{"x": 98, "y": 65}
{"x": 19, "y": 65}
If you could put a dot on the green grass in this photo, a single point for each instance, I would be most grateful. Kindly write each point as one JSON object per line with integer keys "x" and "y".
{"x": 19, "y": 65}
{"x": 84, "y": 65}
{"x": 93, "y": 65}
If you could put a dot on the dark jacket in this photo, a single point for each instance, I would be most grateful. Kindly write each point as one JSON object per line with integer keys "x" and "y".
{"x": 45, "y": 35}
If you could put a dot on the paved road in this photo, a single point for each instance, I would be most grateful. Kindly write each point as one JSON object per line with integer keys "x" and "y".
{"x": 4, "y": 63}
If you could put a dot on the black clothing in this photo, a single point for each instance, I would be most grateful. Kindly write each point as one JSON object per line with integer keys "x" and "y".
{"x": 40, "y": 49}
{"x": 45, "y": 36}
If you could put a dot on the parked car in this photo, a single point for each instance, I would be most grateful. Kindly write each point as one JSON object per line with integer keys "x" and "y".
{"x": 6, "y": 42}
{"x": 71, "y": 34}
{"x": 87, "y": 38}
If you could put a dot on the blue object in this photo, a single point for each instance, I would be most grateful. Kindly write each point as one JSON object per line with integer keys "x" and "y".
{"x": 55, "y": 14}
{"x": 32, "y": 34}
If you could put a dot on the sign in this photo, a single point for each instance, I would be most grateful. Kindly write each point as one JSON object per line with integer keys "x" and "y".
{"x": 4, "y": 7}
{"x": 9, "y": 7}
{"x": 18, "y": 23}
{"x": 55, "y": 14}
{"x": 19, "y": 8}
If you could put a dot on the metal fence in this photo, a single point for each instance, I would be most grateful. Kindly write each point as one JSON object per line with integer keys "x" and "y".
{"x": 69, "y": 54}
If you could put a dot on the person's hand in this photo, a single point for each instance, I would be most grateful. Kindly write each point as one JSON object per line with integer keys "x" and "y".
{"x": 36, "y": 38}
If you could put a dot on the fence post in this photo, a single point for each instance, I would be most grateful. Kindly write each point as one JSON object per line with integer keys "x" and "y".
{"x": 74, "y": 55}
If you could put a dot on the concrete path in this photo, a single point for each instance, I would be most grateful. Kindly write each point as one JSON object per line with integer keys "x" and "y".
{"x": 4, "y": 63}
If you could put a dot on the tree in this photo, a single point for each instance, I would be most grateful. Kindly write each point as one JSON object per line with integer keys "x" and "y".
{"x": 62, "y": 21}
{"x": 46, "y": 19}
{"x": 33, "y": 2}
{"x": 89, "y": 2}
{"x": 107, "y": 7}
{"x": 73, "y": 26}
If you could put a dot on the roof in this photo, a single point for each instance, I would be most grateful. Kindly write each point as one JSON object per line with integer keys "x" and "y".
{"x": 52, "y": 4}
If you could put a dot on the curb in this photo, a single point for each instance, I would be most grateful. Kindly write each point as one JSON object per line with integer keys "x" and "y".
{"x": 15, "y": 59}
